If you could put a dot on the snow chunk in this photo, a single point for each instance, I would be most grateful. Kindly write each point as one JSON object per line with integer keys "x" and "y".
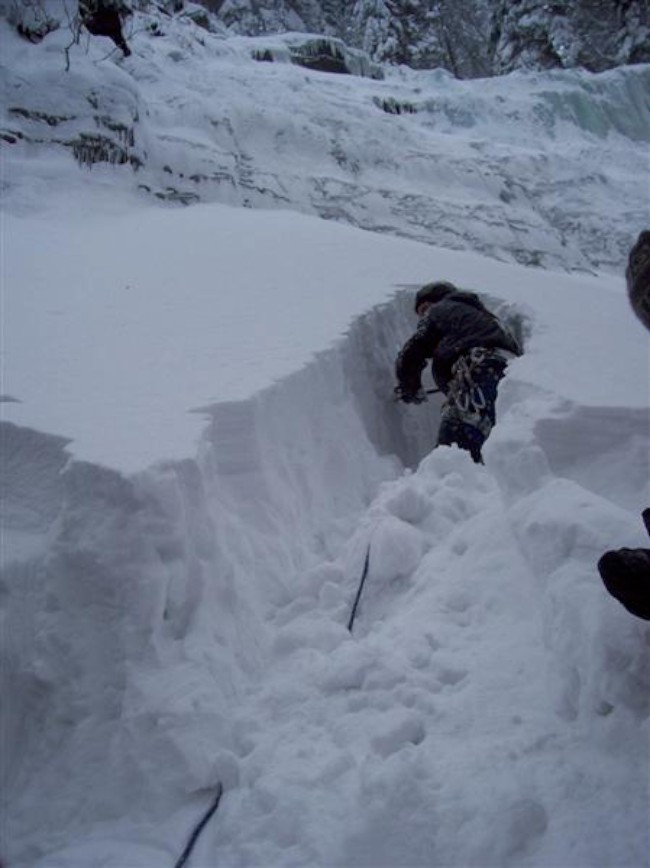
{"x": 395, "y": 551}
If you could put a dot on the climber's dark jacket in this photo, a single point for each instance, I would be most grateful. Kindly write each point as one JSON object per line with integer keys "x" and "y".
{"x": 102, "y": 18}
{"x": 451, "y": 327}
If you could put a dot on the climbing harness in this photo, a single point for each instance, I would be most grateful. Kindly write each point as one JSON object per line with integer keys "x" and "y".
{"x": 185, "y": 855}
{"x": 464, "y": 392}
{"x": 466, "y": 399}
{"x": 468, "y": 414}
{"x": 364, "y": 575}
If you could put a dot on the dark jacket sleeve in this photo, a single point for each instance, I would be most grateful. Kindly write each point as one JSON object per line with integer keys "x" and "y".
{"x": 412, "y": 358}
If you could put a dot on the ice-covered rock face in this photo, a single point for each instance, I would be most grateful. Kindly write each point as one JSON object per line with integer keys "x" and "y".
{"x": 543, "y": 170}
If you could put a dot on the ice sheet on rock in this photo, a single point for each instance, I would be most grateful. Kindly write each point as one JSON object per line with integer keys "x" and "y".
{"x": 543, "y": 168}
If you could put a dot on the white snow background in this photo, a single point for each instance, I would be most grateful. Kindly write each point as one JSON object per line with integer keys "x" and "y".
{"x": 199, "y": 444}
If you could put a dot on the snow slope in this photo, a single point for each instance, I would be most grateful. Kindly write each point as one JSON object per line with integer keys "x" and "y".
{"x": 176, "y": 585}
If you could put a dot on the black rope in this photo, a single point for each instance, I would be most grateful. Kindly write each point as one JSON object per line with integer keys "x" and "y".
{"x": 199, "y": 828}
{"x": 360, "y": 589}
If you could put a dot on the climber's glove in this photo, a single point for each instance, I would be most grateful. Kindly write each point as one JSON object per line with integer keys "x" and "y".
{"x": 409, "y": 396}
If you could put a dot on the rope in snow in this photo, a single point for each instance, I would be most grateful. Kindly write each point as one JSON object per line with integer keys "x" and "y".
{"x": 185, "y": 855}
{"x": 364, "y": 575}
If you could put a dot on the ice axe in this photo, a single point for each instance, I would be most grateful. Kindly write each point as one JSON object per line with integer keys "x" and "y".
{"x": 426, "y": 392}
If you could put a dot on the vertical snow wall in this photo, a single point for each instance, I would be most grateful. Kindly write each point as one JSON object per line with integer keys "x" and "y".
{"x": 116, "y": 590}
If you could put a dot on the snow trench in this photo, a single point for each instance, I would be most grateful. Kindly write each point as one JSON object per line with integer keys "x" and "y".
{"x": 186, "y": 625}
{"x": 114, "y": 586}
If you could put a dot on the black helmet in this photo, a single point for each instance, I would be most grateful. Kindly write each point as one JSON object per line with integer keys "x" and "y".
{"x": 433, "y": 292}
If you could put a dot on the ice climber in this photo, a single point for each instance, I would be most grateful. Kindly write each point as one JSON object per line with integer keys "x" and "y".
{"x": 102, "y": 18}
{"x": 469, "y": 350}
{"x": 626, "y": 572}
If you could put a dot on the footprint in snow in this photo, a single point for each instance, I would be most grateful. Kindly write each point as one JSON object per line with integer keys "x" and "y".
{"x": 397, "y": 735}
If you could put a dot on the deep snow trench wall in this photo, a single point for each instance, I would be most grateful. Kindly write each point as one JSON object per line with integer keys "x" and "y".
{"x": 114, "y": 587}
{"x": 186, "y": 625}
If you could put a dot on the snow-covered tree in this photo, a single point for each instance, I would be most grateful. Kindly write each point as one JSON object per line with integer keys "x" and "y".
{"x": 594, "y": 34}
{"x": 33, "y": 19}
{"x": 470, "y": 37}
{"x": 369, "y": 28}
{"x": 466, "y": 31}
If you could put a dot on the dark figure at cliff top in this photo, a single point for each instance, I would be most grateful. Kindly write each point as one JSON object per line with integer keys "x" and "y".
{"x": 103, "y": 18}
{"x": 469, "y": 350}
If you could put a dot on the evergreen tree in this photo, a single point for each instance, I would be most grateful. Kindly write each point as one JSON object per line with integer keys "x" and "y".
{"x": 469, "y": 37}
{"x": 368, "y": 28}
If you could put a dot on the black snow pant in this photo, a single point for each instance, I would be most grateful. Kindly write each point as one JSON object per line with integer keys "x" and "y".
{"x": 468, "y": 414}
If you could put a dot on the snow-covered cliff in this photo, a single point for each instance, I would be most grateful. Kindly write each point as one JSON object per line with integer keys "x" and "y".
{"x": 538, "y": 168}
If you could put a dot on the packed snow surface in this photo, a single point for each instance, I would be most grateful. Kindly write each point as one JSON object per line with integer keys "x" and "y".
{"x": 200, "y": 450}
